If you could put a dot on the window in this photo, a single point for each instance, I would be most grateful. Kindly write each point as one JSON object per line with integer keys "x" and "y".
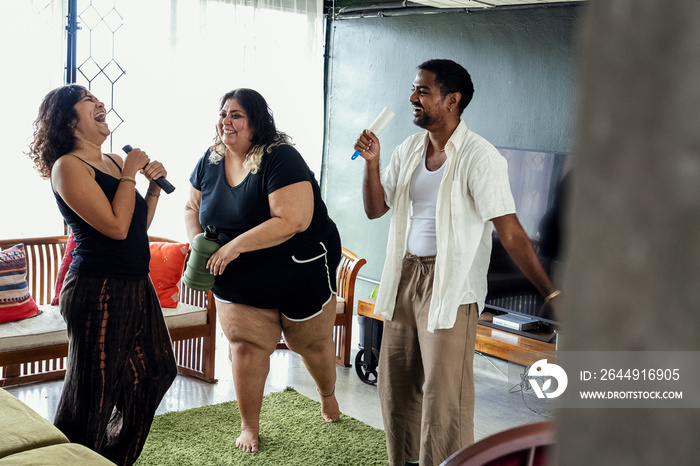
{"x": 179, "y": 58}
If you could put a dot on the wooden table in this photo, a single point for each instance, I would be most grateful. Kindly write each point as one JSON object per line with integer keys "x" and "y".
{"x": 365, "y": 307}
{"x": 511, "y": 347}
{"x": 494, "y": 342}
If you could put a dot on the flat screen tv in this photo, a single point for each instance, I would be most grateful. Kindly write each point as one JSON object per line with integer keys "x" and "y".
{"x": 536, "y": 183}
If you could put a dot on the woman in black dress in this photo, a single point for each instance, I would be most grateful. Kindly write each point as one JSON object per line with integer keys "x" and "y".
{"x": 120, "y": 358}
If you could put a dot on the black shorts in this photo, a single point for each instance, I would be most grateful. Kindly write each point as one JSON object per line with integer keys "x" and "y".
{"x": 297, "y": 284}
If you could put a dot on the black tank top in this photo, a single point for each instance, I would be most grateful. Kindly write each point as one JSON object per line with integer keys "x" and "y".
{"x": 97, "y": 255}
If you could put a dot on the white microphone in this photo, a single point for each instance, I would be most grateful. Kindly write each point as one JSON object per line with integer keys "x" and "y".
{"x": 378, "y": 125}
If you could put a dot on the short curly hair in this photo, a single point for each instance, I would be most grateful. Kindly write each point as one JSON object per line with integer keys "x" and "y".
{"x": 54, "y": 133}
{"x": 451, "y": 77}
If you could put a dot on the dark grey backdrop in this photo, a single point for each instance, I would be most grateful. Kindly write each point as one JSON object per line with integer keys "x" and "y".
{"x": 521, "y": 62}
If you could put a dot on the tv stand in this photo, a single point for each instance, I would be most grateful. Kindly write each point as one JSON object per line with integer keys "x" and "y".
{"x": 513, "y": 347}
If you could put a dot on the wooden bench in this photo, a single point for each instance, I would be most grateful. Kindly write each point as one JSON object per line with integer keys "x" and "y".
{"x": 348, "y": 269}
{"x": 35, "y": 349}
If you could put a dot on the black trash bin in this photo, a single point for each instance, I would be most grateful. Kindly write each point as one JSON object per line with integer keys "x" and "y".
{"x": 367, "y": 358}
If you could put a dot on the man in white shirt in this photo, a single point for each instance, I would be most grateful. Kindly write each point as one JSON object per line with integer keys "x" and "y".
{"x": 448, "y": 188}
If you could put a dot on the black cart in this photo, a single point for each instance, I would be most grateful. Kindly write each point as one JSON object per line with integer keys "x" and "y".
{"x": 371, "y": 328}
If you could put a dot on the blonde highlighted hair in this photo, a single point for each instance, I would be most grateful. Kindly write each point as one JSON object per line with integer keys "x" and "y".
{"x": 253, "y": 158}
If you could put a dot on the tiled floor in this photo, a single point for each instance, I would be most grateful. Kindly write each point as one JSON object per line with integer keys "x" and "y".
{"x": 496, "y": 408}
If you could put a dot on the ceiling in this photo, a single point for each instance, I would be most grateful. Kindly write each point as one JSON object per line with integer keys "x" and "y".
{"x": 483, "y": 3}
{"x": 374, "y": 7}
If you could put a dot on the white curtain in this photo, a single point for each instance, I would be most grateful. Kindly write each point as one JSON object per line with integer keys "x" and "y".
{"x": 32, "y": 56}
{"x": 179, "y": 58}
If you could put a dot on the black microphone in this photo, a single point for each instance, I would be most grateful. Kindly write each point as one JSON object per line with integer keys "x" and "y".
{"x": 164, "y": 184}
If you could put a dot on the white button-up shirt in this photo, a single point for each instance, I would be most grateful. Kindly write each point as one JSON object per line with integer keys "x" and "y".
{"x": 474, "y": 189}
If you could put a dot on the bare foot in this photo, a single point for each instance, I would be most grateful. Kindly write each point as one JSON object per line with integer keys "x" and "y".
{"x": 329, "y": 408}
{"x": 248, "y": 440}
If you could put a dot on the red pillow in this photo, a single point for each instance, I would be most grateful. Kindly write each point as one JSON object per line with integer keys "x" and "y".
{"x": 15, "y": 301}
{"x": 167, "y": 264}
{"x": 63, "y": 269}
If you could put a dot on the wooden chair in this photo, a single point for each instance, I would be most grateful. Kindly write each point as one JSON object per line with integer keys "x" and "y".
{"x": 346, "y": 274}
{"x": 525, "y": 445}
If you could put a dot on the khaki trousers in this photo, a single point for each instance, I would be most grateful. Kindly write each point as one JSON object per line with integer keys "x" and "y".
{"x": 426, "y": 380}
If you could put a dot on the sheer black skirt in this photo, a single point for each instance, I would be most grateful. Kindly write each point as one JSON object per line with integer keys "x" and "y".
{"x": 120, "y": 364}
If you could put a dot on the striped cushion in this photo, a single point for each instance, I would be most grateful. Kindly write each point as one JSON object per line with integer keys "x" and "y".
{"x": 15, "y": 301}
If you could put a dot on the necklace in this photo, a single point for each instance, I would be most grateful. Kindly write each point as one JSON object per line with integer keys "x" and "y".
{"x": 104, "y": 168}
{"x": 438, "y": 150}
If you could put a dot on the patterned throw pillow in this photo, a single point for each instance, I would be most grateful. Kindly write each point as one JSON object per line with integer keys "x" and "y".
{"x": 15, "y": 301}
{"x": 63, "y": 269}
{"x": 167, "y": 264}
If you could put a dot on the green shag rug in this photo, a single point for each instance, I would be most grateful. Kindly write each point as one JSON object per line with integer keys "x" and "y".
{"x": 292, "y": 432}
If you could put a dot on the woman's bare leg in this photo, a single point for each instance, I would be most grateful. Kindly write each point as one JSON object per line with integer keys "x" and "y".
{"x": 253, "y": 335}
{"x": 313, "y": 340}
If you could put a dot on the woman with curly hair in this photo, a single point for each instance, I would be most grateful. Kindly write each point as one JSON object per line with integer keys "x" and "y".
{"x": 120, "y": 358}
{"x": 275, "y": 270}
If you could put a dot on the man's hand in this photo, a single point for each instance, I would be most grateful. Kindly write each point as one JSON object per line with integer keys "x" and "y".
{"x": 368, "y": 145}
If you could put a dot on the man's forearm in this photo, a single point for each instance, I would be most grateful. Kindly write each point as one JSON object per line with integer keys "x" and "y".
{"x": 372, "y": 191}
{"x": 519, "y": 247}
